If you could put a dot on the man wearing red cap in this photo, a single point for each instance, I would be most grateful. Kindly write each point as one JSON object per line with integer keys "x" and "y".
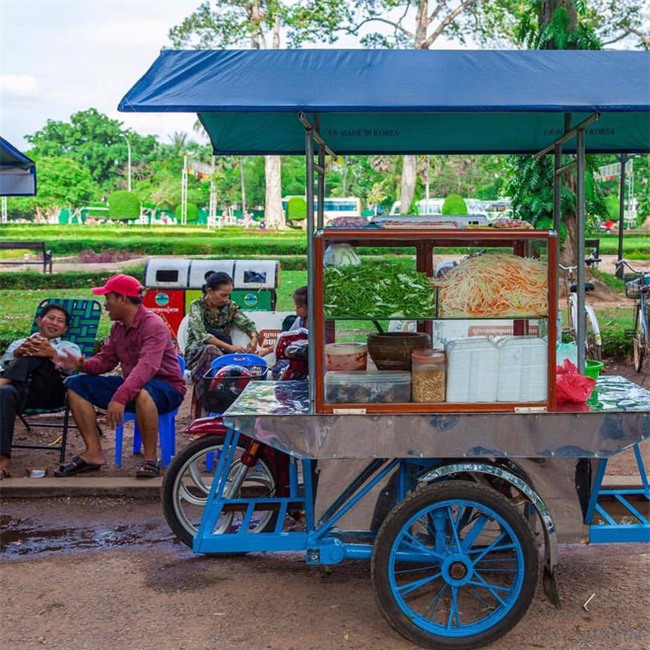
{"x": 151, "y": 381}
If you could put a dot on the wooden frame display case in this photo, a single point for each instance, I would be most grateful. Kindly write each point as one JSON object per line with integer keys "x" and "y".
{"x": 418, "y": 246}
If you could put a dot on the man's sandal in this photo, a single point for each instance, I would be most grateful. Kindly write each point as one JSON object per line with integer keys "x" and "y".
{"x": 4, "y": 473}
{"x": 148, "y": 469}
{"x": 77, "y": 466}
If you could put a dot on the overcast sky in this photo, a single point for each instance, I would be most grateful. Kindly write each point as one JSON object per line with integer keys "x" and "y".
{"x": 58, "y": 57}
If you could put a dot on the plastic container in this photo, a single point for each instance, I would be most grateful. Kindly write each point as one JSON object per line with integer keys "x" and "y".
{"x": 593, "y": 368}
{"x": 346, "y": 356}
{"x": 523, "y": 369}
{"x": 367, "y": 387}
{"x": 472, "y": 368}
{"x": 428, "y": 376}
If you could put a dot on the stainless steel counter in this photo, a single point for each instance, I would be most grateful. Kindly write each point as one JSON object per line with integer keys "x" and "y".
{"x": 277, "y": 414}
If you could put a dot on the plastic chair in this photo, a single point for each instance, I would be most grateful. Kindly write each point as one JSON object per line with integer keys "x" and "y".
{"x": 166, "y": 432}
{"x": 82, "y": 330}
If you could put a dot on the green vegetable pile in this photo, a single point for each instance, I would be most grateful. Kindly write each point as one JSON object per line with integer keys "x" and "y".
{"x": 371, "y": 291}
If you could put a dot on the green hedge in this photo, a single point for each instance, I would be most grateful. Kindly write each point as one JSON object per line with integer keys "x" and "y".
{"x": 69, "y": 280}
{"x": 27, "y": 280}
{"x": 227, "y": 247}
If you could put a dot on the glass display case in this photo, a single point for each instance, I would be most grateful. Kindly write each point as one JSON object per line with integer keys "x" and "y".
{"x": 481, "y": 302}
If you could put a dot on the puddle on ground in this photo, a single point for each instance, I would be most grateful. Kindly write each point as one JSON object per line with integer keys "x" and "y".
{"x": 25, "y": 537}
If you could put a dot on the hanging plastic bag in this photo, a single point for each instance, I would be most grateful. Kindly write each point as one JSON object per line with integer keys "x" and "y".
{"x": 571, "y": 386}
{"x": 567, "y": 351}
{"x": 340, "y": 255}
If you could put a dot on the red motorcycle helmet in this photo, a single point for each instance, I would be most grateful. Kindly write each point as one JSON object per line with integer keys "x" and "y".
{"x": 226, "y": 385}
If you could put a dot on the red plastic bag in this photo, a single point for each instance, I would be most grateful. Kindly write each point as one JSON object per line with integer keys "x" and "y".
{"x": 571, "y": 386}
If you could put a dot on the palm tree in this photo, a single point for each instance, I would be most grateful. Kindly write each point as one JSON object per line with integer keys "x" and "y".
{"x": 179, "y": 141}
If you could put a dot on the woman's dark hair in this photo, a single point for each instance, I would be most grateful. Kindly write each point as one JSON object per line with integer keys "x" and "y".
{"x": 215, "y": 280}
{"x": 300, "y": 296}
{"x": 52, "y": 306}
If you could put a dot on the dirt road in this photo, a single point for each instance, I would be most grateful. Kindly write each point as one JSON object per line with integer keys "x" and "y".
{"x": 122, "y": 584}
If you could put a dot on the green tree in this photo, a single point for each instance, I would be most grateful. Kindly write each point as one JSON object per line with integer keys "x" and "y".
{"x": 296, "y": 209}
{"x": 419, "y": 24}
{"x": 192, "y": 213}
{"x": 294, "y": 175}
{"x": 554, "y": 24}
{"x": 123, "y": 206}
{"x": 97, "y": 143}
{"x": 179, "y": 142}
{"x": 454, "y": 204}
{"x": 260, "y": 24}
{"x": 61, "y": 183}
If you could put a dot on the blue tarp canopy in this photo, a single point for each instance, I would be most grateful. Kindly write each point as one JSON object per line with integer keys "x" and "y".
{"x": 17, "y": 172}
{"x": 403, "y": 101}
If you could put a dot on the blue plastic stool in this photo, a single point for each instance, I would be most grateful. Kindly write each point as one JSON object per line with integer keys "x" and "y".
{"x": 166, "y": 436}
{"x": 166, "y": 432}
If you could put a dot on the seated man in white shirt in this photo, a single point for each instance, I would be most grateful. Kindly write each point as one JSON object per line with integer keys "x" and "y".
{"x": 31, "y": 378}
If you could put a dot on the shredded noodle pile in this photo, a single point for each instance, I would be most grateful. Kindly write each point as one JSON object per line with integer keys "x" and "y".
{"x": 494, "y": 285}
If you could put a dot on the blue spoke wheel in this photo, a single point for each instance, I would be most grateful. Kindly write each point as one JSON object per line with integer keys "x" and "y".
{"x": 454, "y": 565}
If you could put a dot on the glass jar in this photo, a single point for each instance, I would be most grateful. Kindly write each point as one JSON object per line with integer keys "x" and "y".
{"x": 428, "y": 375}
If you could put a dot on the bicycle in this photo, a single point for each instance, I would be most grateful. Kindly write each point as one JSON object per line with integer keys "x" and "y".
{"x": 637, "y": 288}
{"x": 593, "y": 339}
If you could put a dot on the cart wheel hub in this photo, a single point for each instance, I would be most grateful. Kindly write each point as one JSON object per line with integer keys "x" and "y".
{"x": 457, "y": 570}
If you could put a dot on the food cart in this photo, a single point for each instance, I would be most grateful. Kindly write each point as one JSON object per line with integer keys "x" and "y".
{"x": 449, "y": 498}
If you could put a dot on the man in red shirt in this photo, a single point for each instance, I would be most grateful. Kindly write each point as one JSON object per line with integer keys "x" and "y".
{"x": 151, "y": 381}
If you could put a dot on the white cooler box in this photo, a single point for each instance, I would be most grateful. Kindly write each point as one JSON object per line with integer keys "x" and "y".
{"x": 472, "y": 370}
{"x": 523, "y": 367}
{"x": 508, "y": 369}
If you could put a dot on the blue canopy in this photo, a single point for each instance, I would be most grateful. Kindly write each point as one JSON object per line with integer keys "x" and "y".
{"x": 17, "y": 171}
{"x": 403, "y": 101}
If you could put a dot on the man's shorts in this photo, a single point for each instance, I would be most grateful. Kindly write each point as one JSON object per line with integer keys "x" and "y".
{"x": 99, "y": 391}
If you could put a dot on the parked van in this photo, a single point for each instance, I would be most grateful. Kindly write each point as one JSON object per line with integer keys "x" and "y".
{"x": 430, "y": 207}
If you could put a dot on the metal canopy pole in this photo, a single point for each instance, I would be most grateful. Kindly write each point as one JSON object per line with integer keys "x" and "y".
{"x": 580, "y": 251}
{"x": 311, "y": 352}
{"x": 313, "y": 222}
{"x": 577, "y": 132}
{"x": 621, "y": 214}
{"x": 557, "y": 222}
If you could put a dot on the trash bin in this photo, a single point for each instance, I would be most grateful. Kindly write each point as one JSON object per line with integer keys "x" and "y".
{"x": 166, "y": 280}
{"x": 199, "y": 271}
{"x": 172, "y": 284}
{"x": 255, "y": 281}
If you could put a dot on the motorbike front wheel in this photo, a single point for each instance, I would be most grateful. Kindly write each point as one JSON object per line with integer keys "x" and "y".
{"x": 188, "y": 480}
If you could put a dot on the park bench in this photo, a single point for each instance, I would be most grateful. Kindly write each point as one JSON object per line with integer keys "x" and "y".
{"x": 39, "y": 246}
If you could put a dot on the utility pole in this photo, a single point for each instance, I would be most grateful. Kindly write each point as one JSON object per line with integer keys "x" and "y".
{"x": 128, "y": 148}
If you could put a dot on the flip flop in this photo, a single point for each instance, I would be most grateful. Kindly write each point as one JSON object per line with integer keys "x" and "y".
{"x": 76, "y": 466}
{"x": 148, "y": 469}
{"x": 4, "y": 473}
